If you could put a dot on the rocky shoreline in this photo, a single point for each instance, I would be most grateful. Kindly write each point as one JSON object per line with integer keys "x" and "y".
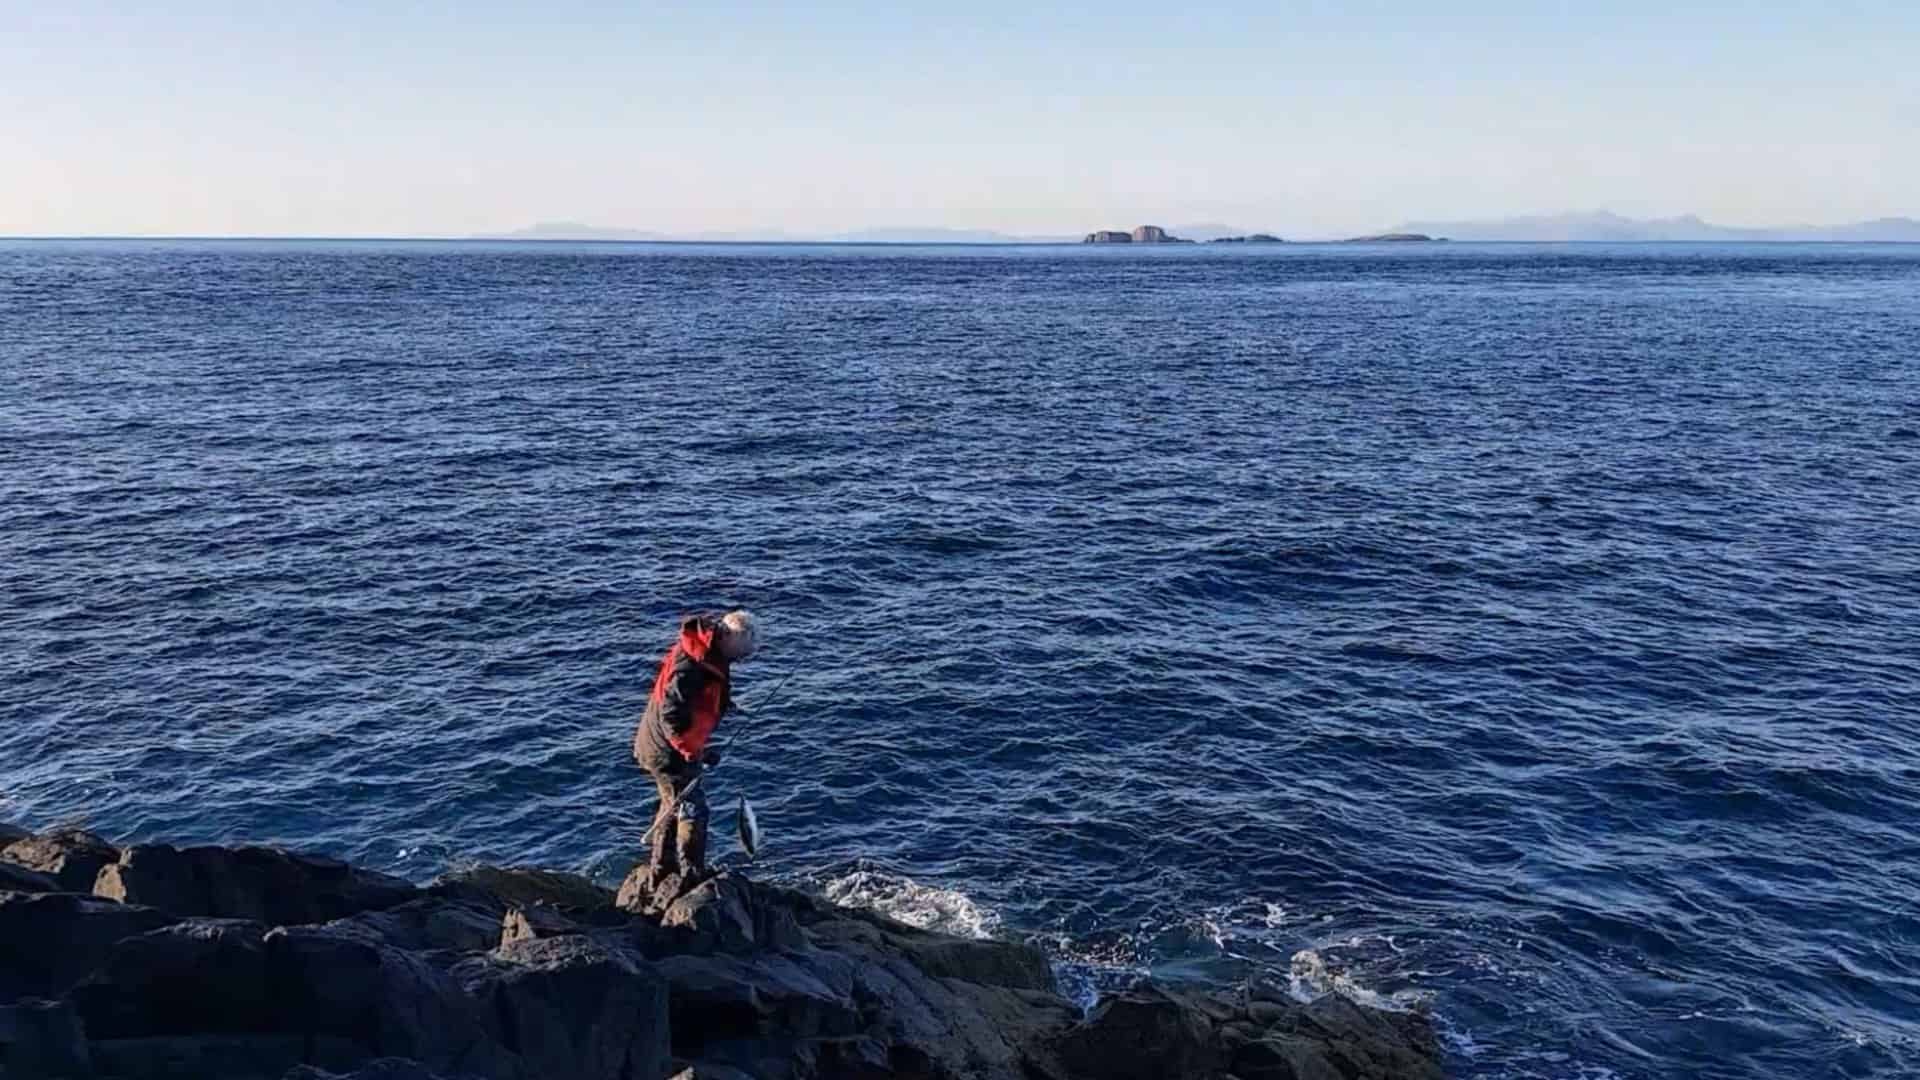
{"x": 220, "y": 963}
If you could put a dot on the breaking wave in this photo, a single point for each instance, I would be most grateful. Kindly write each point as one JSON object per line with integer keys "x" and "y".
{"x": 928, "y": 907}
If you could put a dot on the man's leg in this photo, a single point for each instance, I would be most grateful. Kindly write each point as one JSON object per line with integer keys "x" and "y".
{"x": 690, "y": 831}
{"x": 664, "y": 857}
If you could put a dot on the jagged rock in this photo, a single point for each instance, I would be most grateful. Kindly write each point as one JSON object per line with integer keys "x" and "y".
{"x": 384, "y": 1001}
{"x": 208, "y": 1057}
{"x": 49, "y": 941}
{"x": 524, "y": 887}
{"x": 380, "y": 1069}
{"x": 537, "y": 921}
{"x": 197, "y": 976}
{"x": 42, "y": 1038}
{"x": 1144, "y": 1032}
{"x": 73, "y": 857}
{"x": 726, "y": 913}
{"x": 988, "y": 962}
{"x": 719, "y": 998}
{"x": 704, "y": 1071}
{"x": 1357, "y": 1043}
{"x": 735, "y": 978}
{"x": 857, "y": 1058}
{"x": 935, "y": 1026}
{"x": 263, "y": 884}
{"x": 1279, "y": 1057}
{"x": 643, "y": 892}
{"x": 428, "y": 923}
{"x": 15, "y": 878}
{"x": 572, "y": 1007}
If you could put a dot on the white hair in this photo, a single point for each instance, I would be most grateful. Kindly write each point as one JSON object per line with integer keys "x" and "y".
{"x": 743, "y": 630}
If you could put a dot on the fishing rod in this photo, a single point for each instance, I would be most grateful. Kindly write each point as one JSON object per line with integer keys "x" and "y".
{"x": 667, "y": 815}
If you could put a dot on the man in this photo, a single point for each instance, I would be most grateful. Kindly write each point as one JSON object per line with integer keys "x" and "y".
{"x": 690, "y": 694}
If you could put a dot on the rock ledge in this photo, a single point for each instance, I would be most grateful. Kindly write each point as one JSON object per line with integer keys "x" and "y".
{"x": 253, "y": 963}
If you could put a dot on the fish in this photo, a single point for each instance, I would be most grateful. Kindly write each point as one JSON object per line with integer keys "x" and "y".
{"x": 747, "y": 826}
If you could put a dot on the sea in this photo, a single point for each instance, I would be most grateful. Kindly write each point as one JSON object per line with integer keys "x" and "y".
{"x": 1529, "y": 634}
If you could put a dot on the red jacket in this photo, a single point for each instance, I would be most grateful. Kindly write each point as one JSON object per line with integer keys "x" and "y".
{"x": 691, "y": 691}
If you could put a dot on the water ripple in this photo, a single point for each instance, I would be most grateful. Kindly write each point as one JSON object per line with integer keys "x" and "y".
{"x": 1525, "y": 631}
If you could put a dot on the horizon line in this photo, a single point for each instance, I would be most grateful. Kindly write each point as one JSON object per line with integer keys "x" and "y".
{"x": 422, "y": 239}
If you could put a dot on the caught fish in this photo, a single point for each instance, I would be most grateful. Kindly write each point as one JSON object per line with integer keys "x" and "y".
{"x": 748, "y": 826}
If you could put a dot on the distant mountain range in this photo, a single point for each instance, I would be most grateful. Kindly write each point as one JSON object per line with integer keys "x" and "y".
{"x": 1599, "y": 225}
{"x": 568, "y": 230}
{"x": 1602, "y": 225}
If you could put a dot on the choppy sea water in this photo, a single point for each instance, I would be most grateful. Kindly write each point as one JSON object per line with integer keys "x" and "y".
{"x": 1526, "y": 632}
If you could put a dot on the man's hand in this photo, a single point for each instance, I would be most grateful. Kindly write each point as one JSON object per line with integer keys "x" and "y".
{"x": 710, "y": 757}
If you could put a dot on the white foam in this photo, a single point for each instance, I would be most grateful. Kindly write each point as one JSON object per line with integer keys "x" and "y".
{"x": 1308, "y": 977}
{"x": 948, "y": 911}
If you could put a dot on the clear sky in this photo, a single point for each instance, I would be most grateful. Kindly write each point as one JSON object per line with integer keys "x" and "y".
{"x": 193, "y": 118}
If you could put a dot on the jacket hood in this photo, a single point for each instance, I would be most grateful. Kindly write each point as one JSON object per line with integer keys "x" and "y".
{"x": 696, "y": 637}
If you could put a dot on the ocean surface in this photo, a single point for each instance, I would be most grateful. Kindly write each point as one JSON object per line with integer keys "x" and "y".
{"x": 1527, "y": 633}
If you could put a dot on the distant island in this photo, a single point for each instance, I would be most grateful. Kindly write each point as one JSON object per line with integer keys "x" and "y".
{"x": 1596, "y": 226}
{"x": 1142, "y": 234}
{"x": 1607, "y": 227}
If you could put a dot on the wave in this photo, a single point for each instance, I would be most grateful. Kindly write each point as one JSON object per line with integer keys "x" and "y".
{"x": 928, "y": 907}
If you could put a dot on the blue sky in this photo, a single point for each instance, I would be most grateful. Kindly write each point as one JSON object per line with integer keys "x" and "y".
{"x": 1308, "y": 118}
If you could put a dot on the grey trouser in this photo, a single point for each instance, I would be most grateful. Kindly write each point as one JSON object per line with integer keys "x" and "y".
{"x": 679, "y": 845}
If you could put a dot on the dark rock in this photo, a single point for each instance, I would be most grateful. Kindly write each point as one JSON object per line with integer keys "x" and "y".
{"x": 644, "y": 892}
{"x": 1268, "y": 1013}
{"x": 42, "y": 1038}
{"x": 536, "y": 921}
{"x": 524, "y": 887}
{"x": 203, "y": 1057}
{"x": 49, "y": 941}
{"x": 382, "y": 1000}
{"x": 1362, "y": 1043}
{"x": 263, "y": 884}
{"x": 719, "y": 998}
{"x": 934, "y": 1026}
{"x": 989, "y": 963}
{"x": 73, "y": 857}
{"x": 198, "y": 976}
{"x": 571, "y": 1007}
{"x": 389, "y": 1068}
{"x": 429, "y": 923}
{"x": 14, "y": 878}
{"x": 1144, "y": 1032}
{"x": 859, "y": 1058}
{"x": 704, "y": 1071}
{"x": 375, "y": 980}
{"x": 1281, "y": 1057}
{"x": 719, "y": 915}
{"x": 10, "y": 833}
{"x": 854, "y": 1058}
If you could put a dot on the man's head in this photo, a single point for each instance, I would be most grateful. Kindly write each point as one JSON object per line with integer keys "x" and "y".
{"x": 739, "y": 635}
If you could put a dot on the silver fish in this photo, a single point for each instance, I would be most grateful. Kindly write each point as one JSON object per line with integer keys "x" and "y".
{"x": 747, "y": 825}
